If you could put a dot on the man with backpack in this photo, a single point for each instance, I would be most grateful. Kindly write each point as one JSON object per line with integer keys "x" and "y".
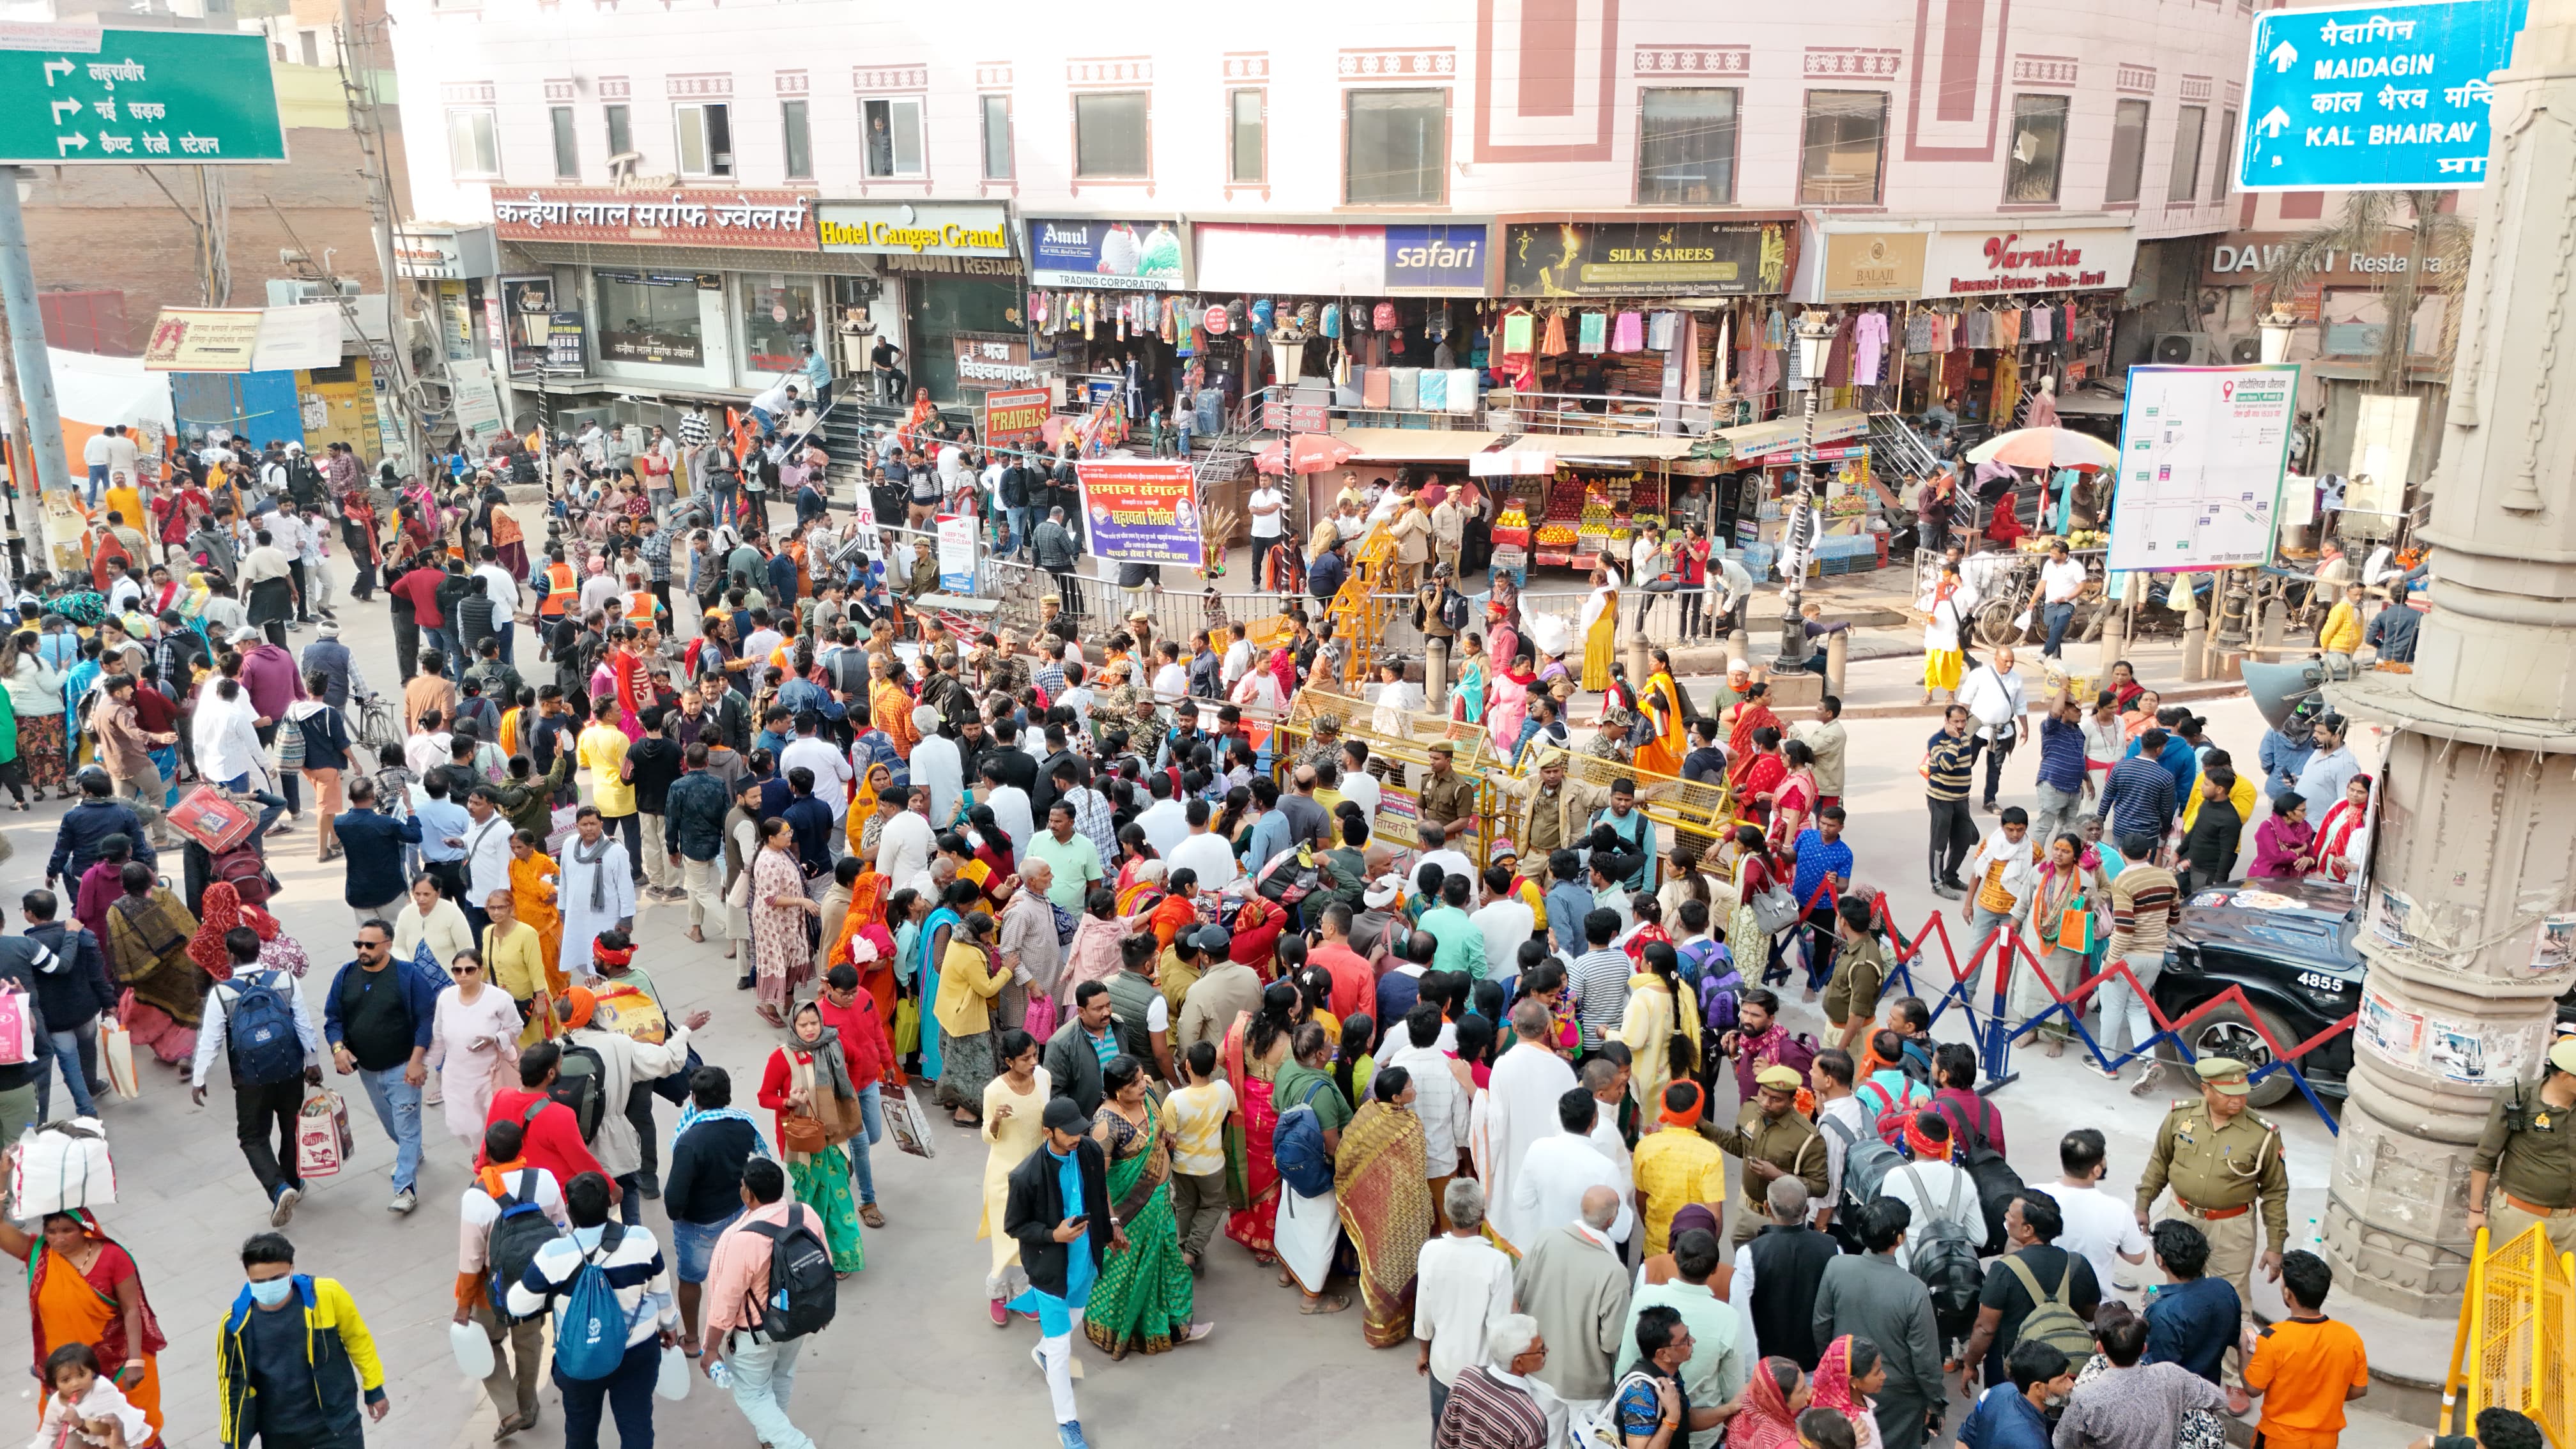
{"x": 614, "y": 1314}
{"x": 769, "y": 1288}
{"x": 256, "y": 1022}
{"x": 1870, "y": 1295}
{"x": 510, "y": 1210}
{"x": 1937, "y": 1190}
{"x": 553, "y": 1136}
{"x": 2036, "y": 1291}
{"x": 377, "y": 1017}
{"x": 617, "y": 1063}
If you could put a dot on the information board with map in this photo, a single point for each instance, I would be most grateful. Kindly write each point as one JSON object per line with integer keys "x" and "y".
{"x": 2202, "y": 453}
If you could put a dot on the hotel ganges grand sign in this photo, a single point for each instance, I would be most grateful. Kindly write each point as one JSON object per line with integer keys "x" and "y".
{"x": 915, "y": 229}
{"x": 1977, "y": 262}
{"x": 780, "y": 221}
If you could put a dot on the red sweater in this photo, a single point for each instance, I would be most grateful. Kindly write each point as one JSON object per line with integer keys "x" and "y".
{"x": 553, "y": 1140}
{"x": 864, "y": 1043}
{"x": 421, "y": 587}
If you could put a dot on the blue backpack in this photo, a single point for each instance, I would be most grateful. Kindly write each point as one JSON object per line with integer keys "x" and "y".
{"x": 266, "y": 1048}
{"x": 1297, "y": 1146}
{"x": 590, "y": 1324}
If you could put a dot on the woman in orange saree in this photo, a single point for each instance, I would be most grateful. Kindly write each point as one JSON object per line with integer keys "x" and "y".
{"x": 1662, "y": 699}
{"x": 533, "y": 878}
{"x": 1253, "y": 1051}
{"x": 1385, "y": 1204}
{"x": 82, "y": 1287}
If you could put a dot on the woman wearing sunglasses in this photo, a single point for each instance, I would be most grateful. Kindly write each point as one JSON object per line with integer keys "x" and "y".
{"x": 474, "y": 1043}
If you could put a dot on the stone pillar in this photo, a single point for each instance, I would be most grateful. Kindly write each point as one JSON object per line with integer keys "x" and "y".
{"x": 1837, "y": 660}
{"x": 2478, "y": 826}
{"x": 1435, "y": 673}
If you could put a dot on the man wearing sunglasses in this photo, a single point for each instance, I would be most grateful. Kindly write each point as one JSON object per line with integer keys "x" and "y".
{"x": 377, "y": 1018}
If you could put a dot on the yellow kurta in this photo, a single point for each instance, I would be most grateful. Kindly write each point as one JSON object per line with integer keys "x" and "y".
{"x": 1009, "y": 1141}
{"x": 1675, "y": 1167}
{"x": 1600, "y": 644}
{"x": 1647, "y": 1027}
{"x": 517, "y": 964}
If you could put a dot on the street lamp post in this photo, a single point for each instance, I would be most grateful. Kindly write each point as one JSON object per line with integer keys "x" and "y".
{"x": 1814, "y": 336}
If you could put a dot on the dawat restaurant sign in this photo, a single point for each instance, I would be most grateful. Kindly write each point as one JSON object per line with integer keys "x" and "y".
{"x": 915, "y": 230}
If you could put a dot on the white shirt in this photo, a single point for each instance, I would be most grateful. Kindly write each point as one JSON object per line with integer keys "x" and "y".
{"x": 1273, "y": 522}
{"x": 1171, "y": 684}
{"x": 122, "y": 455}
{"x": 2061, "y": 582}
{"x": 1237, "y": 662}
{"x": 1208, "y": 853}
{"x": 1165, "y": 823}
{"x": 1011, "y": 812}
{"x": 936, "y": 764}
{"x": 210, "y": 1033}
{"x": 1464, "y": 1288}
{"x": 503, "y": 589}
{"x": 1362, "y": 789}
{"x": 1438, "y": 1102}
{"x": 487, "y": 858}
{"x": 2099, "y": 1226}
{"x": 94, "y": 452}
{"x": 1848, "y": 1111}
{"x": 831, "y": 769}
{"x": 904, "y": 846}
{"x": 1507, "y": 921}
{"x": 1450, "y": 863}
{"x": 227, "y": 741}
{"x": 1947, "y": 1192}
{"x": 1994, "y": 699}
{"x": 1547, "y": 1191}
{"x": 773, "y": 401}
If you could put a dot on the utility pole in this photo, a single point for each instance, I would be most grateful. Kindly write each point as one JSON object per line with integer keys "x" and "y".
{"x": 403, "y": 392}
{"x": 2476, "y": 822}
{"x": 27, "y": 350}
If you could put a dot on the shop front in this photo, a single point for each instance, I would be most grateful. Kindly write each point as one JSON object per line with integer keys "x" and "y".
{"x": 1105, "y": 320}
{"x": 958, "y": 283}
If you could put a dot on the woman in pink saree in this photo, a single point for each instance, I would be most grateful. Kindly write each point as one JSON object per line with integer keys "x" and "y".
{"x": 1255, "y": 1047}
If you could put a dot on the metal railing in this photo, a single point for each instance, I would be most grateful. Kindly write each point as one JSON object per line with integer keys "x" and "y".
{"x": 1278, "y": 406}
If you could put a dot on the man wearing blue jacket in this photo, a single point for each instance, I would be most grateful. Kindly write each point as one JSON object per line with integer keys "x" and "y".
{"x": 377, "y": 1018}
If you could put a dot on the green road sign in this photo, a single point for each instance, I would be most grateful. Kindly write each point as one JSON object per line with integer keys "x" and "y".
{"x": 136, "y": 97}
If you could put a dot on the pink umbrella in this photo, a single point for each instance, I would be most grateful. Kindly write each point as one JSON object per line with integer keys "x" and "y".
{"x": 1304, "y": 453}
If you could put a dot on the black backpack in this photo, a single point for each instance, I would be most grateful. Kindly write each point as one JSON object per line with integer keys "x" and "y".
{"x": 1945, "y": 1260}
{"x": 516, "y": 1235}
{"x": 803, "y": 1291}
{"x": 1995, "y": 1178}
{"x": 581, "y": 1083}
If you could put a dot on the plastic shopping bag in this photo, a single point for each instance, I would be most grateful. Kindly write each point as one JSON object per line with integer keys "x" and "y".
{"x": 318, "y": 1148}
{"x": 116, "y": 1058}
{"x": 909, "y": 1124}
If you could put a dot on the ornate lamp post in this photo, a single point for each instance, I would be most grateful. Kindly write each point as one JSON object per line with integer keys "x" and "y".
{"x": 1813, "y": 337}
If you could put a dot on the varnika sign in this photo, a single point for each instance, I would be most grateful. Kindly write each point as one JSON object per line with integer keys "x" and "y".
{"x": 1975, "y": 263}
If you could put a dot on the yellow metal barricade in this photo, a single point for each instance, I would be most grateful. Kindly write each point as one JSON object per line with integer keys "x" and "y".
{"x": 2513, "y": 1348}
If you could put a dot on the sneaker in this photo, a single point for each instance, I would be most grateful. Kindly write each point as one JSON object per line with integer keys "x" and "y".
{"x": 1001, "y": 1314}
{"x": 1947, "y": 891}
{"x": 1069, "y": 1435}
{"x": 282, "y": 1212}
{"x": 404, "y": 1201}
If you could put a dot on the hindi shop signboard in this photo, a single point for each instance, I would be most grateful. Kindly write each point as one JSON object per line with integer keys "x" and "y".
{"x": 1142, "y": 511}
{"x": 2202, "y": 453}
{"x": 1016, "y": 417}
{"x": 779, "y": 221}
{"x": 1976, "y": 263}
{"x": 72, "y": 96}
{"x": 2373, "y": 96}
{"x": 993, "y": 359}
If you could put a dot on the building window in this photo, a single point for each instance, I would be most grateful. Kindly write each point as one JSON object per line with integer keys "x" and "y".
{"x": 2184, "y": 184}
{"x": 2128, "y": 151}
{"x": 1845, "y": 142}
{"x": 649, "y": 317}
{"x": 799, "y": 139}
{"x": 2218, "y": 176}
{"x": 997, "y": 138}
{"x": 1247, "y": 144}
{"x": 1109, "y": 136}
{"x": 472, "y": 148}
{"x": 706, "y": 139}
{"x": 1686, "y": 147}
{"x": 2038, "y": 149}
{"x": 1398, "y": 153}
{"x": 893, "y": 129}
{"x": 621, "y": 136}
{"x": 312, "y": 47}
{"x": 567, "y": 155}
{"x": 777, "y": 325}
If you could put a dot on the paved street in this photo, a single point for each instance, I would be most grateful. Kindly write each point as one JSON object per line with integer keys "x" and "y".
{"x": 912, "y": 1359}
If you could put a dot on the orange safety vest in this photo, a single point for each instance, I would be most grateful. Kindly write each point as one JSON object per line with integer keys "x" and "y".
{"x": 560, "y": 587}
{"x": 642, "y": 605}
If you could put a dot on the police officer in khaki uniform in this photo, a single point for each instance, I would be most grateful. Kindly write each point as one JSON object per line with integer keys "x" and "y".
{"x": 1774, "y": 1141}
{"x": 2222, "y": 1162}
{"x": 2528, "y": 1154}
{"x": 1448, "y": 798}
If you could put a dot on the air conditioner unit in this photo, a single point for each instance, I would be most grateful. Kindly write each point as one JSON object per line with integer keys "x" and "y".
{"x": 295, "y": 292}
{"x": 2185, "y": 349}
{"x": 2244, "y": 350}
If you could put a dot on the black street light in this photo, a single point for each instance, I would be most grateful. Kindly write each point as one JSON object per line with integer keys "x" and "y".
{"x": 1813, "y": 336}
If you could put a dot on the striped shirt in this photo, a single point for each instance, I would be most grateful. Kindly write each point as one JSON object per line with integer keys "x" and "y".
{"x": 1946, "y": 764}
{"x": 1490, "y": 1409}
{"x": 2145, "y": 902}
{"x": 635, "y": 1270}
{"x": 1600, "y": 982}
{"x": 2138, "y": 798}
{"x": 2061, "y": 754}
{"x": 694, "y": 430}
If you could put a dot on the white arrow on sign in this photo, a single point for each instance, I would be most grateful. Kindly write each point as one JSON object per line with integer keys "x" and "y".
{"x": 52, "y": 66}
{"x": 2283, "y": 56}
{"x": 2274, "y": 122}
{"x": 73, "y": 142}
{"x": 61, "y": 106}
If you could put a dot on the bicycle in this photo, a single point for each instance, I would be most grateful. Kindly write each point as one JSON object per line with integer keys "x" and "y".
{"x": 376, "y": 724}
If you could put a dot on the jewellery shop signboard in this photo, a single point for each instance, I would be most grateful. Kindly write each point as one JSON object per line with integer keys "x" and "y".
{"x": 780, "y": 221}
{"x": 1978, "y": 262}
{"x": 1647, "y": 259}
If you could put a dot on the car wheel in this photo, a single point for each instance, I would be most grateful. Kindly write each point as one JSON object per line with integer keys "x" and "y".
{"x": 2229, "y": 1031}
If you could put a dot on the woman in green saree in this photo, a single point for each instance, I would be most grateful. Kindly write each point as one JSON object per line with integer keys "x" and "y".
{"x": 1144, "y": 1296}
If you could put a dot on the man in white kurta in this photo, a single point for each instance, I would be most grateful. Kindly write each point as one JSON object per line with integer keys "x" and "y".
{"x": 597, "y": 891}
{"x": 1517, "y": 1110}
{"x": 936, "y": 763}
{"x": 1559, "y": 1170}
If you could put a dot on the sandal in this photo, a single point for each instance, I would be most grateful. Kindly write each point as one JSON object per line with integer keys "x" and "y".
{"x": 770, "y": 1015}
{"x": 1286, "y": 1280}
{"x": 512, "y": 1425}
{"x": 1325, "y": 1303}
{"x": 869, "y": 1215}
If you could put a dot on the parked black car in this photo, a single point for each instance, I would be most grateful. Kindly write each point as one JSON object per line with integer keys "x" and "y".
{"x": 2291, "y": 946}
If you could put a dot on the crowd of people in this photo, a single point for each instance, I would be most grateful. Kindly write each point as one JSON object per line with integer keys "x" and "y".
{"x": 1176, "y": 968}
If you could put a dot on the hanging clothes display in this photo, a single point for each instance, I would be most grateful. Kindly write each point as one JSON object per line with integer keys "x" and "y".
{"x": 2008, "y": 327}
{"x": 1631, "y": 333}
{"x": 1595, "y": 332}
{"x": 1690, "y": 358}
{"x": 1554, "y": 345}
{"x": 1838, "y": 354}
{"x": 1954, "y": 371}
{"x": 1869, "y": 340}
{"x": 2007, "y": 389}
{"x": 1775, "y": 329}
{"x": 1918, "y": 333}
{"x": 2035, "y": 323}
{"x": 1661, "y": 330}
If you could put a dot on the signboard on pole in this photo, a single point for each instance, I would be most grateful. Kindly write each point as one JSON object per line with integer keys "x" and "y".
{"x": 202, "y": 339}
{"x": 1142, "y": 510}
{"x": 478, "y": 407}
{"x": 1016, "y": 417}
{"x": 138, "y": 97}
{"x": 2202, "y": 454}
{"x": 957, "y": 553}
{"x": 2368, "y": 96}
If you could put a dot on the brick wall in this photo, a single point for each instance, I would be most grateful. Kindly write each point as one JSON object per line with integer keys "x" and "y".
{"x": 94, "y": 227}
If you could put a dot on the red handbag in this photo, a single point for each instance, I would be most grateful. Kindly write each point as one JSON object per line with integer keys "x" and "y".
{"x": 212, "y": 819}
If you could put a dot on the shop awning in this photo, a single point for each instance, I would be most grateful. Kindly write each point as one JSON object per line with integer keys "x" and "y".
{"x": 1414, "y": 445}
{"x": 1514, "y": 457}
{"x": 1752, "y": 440}
{"x": 1615, "y": 450}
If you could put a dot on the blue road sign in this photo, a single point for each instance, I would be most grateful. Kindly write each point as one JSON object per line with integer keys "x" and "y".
{"x": 2373, "y": 96}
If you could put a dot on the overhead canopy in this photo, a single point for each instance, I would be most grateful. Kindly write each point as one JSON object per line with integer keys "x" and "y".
{"x": 1414, "y": 445}
{"x": 1752, "y": 440}
{"x": 1617, "y": 450}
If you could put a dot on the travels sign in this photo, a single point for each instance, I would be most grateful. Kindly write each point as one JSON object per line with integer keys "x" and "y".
{"x": 73, "y": 96}
{"x": 2371, "y": 96}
